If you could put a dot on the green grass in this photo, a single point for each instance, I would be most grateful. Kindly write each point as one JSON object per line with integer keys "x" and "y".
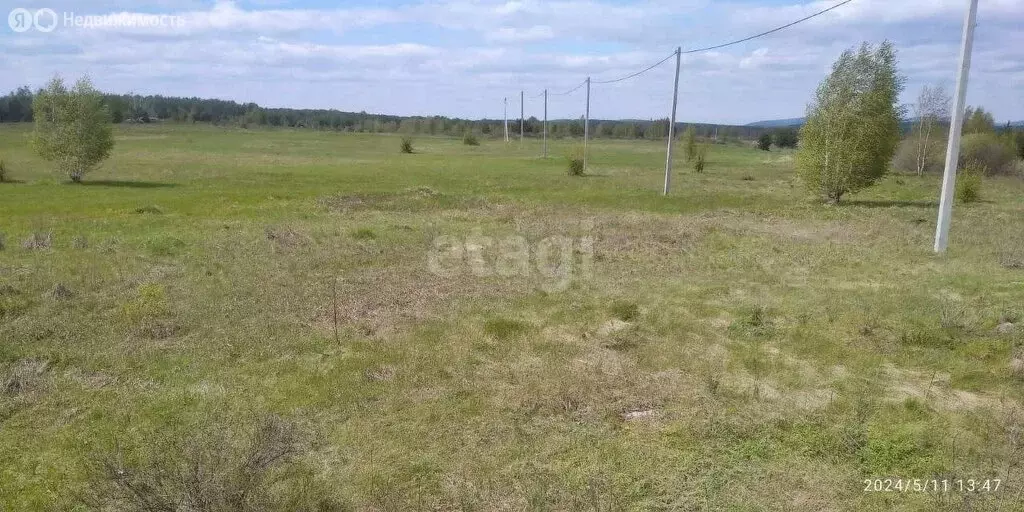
{"x": 590, "y": 345}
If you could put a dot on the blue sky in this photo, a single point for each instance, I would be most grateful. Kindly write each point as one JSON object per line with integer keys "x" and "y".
{"x": 462, "y": 57}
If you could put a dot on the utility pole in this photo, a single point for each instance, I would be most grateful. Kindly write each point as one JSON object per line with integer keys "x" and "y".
{"x": 672, "y": 124}
{"x": 955, "y": 129}
{"x": 522, "y": 110}
{"x": 506, "y": 119}
{"x": 586, "y": 127}
{"x": 545, "y": 123}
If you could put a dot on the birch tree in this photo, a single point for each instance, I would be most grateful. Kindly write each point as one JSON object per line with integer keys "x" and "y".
{"x": 931, "y": 108}
{"x": 853, "y": 124}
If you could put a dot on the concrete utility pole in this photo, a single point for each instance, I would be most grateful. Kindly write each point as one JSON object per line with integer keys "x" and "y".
{"x": 672, "y": 124}
{"x": 506, "y": 119}
{"x": 586, "y": 127}
{"x": 545, "y": 123}
{"x": 955, "y": 129}
{"x": 522, "y": 110}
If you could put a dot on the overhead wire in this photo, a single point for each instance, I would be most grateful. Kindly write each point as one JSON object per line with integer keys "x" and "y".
{"x": 767, "y": 32}
{"x": 638, "y": 73}
{"x": 570, "y": 91}
{"x": 698, "y": 50}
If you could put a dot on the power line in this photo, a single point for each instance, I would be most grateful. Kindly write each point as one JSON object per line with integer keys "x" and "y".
{"x": 570, "y": 91}
{"x": 772, "y": 31}
{"x": 708, "y": 48}
{"x": 627, "y": 77}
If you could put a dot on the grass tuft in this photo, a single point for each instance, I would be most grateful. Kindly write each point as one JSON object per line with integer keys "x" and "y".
{"x": 505, "y": 328}
{"x": 625, "y": 311}
{"x": 364, "y": 234}
{"x": 37, "y": 241}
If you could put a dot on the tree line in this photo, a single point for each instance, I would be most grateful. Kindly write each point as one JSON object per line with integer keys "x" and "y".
{"x": 131, "y": 108}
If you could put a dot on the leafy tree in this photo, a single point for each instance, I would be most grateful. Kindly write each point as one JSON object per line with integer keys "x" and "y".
{"x": 16, "y": 106}
{"x": 764, "y": 142}
{"x": 690, "y": 142}
{"x": 785, "y": 137}
{"x": 931, "y": 108}
{"x": 978, "y": 121}
{"x": 72, "y": 128}
{"x": 853, "y": 124}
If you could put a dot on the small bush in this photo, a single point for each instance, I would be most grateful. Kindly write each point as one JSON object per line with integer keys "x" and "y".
{"x": 576, "y": 162}
{"x": 968, "y": 184}
{"x": 407, "y": 145}
{"x": 470, "y": 140}
{"x": 38, "y": 241}
{"x": 699, "y": 161}
{"x": 3, "y": 172}
{"x": 988, "y": 152}
{"x": 764, "y": 142}
{"x": 149, "y": 209}
{"x": 211, "y": 469}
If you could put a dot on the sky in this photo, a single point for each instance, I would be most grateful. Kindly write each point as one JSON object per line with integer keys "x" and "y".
{"x": 463, "y": 58}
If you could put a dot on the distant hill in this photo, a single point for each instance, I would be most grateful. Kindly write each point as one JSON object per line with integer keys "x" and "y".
{"x": 779, "y": 123}
{"x": 799, "y": 121}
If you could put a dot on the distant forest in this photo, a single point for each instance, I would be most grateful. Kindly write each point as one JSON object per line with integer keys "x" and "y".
{"x": 125, "y": 108}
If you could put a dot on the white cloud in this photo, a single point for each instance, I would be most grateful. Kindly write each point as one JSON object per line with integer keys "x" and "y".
{"x": 516, "y": 35}
{"x": 308, "y": 57}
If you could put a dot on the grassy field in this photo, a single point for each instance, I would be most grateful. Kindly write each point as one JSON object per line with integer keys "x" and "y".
{"x": 327, "y": 324}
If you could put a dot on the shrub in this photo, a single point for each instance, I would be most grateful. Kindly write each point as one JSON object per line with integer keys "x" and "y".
{"x": 3, "y": 172}
{"x": 906, "y": 158}
{"x": 968, "y": 184}
{"x": 987, "y": 151}
{"x": 764, "y": 142}
{"x": 785, "y": 137}
{"x": 690, "y": 143}
{"x": 699, "y": 161}
{"x": 576, "y": 162}
{"x": 470, "y": 140}
{"x": 211, "y": 469}
{"x": 407, "y": 145}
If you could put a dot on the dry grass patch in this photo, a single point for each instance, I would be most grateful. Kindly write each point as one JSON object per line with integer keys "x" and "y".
{"x": 284, "y": 237}
{"x": 380, "y": 301}
{"x": 415, "y": 199}
{"x": 23, "y": 383}
{"x": 211, "y": 470}
{"x": 934, "y": 389}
